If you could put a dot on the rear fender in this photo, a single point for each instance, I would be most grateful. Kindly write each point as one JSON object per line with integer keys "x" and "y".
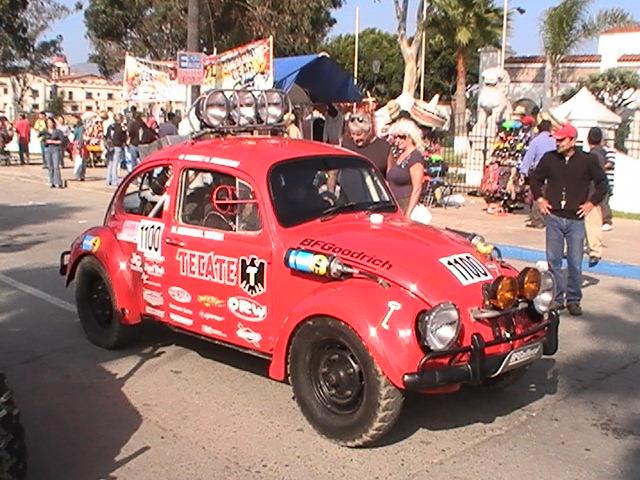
{"x": 387, "y": 331}
{"x": 115, "y": 262}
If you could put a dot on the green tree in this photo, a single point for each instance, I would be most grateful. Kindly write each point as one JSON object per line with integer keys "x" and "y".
{"x": 467, "y": 25}
{"x": 567, "y": 25}
{"x": 378, "y": 51}
{"x": 614, "y": 87}
{"x": 157, "y": 30}
{"x": 56, "y": 105}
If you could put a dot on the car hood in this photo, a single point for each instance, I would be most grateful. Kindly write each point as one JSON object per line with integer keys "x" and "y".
{"x": 409, "y": 254}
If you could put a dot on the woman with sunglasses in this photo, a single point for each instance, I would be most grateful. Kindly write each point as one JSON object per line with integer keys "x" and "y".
{"x": 405, "y": 169}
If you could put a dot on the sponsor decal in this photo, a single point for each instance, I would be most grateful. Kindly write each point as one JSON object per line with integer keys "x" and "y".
{"x": 208, "y": 266}
{"x": 210, "y": 301}
{"x": 135, "y": 262}
{"x": 355, "y": 256}
{"x": 152, "y": 297}
{"x": 197, "y": 233}
{"x": 248, "y": 335}
{"x": 393, "y": 307}
{"x": 212, "y": 331}
{"x": 146, "y": 279}
{"x": 466, "y": 268}
{"x": 180, "y": 319}
{"x": 90, "y": 243}
{"x": 253, "y": 275}
{"x": 210, "y": 316}
{"x": 149, "y": 239}
{"x": 154, "y": 311}
{"x": 179, "y": 294}
{"x": 180, "y": 309}
{"x": 154, "y": 269}
{"x": 191, "y": 157}
{"x": 129, "y": 232}
{"x": 247, "y": 309}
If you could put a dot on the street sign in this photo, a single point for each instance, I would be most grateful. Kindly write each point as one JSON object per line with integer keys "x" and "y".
{"x": 190, "y": 68}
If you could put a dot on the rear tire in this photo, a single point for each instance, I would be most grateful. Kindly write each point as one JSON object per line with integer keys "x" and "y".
{"x": 99, "y": 316}
{"x": 338, "y": 386}
{"x": 13, "y": 452}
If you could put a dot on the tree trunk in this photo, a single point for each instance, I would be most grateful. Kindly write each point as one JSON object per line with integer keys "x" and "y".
{"x": 461, "y": 99}
{"x": 409, "y": 55}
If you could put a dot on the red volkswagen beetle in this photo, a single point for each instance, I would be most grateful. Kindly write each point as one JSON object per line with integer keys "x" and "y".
{"x": 296, "y": 251}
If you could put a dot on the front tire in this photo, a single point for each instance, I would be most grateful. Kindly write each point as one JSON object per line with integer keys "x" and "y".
{"x": 13, "y": 452}
{"x": 338, "y": 386}
{"x": 99, "y": 316}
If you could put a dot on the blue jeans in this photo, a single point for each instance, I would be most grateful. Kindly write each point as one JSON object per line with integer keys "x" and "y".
{"x": 114, "y": 165}
{"x": 560, "y": 230}
{"x": 52, "y": 156}
{"x": 134, "y": 157}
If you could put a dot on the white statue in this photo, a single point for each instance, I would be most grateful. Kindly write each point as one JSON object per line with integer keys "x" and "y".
{"x": 493, "y": 103}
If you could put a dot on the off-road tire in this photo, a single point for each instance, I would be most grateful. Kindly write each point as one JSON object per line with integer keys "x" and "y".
{"x": 99, "y": 316}
{"x": 505, "y": 380}
{"x": 374, "y": 410}
{"x": 13, "y": 452}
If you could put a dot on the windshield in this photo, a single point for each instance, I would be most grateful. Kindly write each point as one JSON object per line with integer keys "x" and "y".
{"x": 322, "y": 187}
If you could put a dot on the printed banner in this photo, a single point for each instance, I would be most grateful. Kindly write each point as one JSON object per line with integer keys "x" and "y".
{"x": 146, "y": 81}
{"x": 248, "y": 66}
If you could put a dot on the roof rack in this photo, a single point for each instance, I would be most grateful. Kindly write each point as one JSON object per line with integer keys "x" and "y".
{"x": 224, "y": 112}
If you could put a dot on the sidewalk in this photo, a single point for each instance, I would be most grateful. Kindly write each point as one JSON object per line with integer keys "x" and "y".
{"x": 509, "y": 230}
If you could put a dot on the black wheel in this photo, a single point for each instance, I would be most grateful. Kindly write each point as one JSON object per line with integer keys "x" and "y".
{"x": 506, "y": 379}
{"x": 338, "y": 386}
{"x": 100, "y": 319}
{"x": 13, "y": 452}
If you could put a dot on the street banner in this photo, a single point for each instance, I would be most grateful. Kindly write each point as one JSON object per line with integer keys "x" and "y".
{"x": 190, "y": 68}
{"x": 147, "y": 81}
{"x": 248, "y": 66}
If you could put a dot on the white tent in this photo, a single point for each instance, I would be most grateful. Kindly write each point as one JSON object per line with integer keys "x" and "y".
{"x": 584, "y": 111}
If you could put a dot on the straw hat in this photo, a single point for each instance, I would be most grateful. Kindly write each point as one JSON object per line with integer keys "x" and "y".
{"x": 520, "y": 110}
{"x": 394, "y": 110}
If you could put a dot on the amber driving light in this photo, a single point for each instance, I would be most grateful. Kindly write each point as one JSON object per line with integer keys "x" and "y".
{"x": 503, "y": 292}
{"x": 529, "y": 283}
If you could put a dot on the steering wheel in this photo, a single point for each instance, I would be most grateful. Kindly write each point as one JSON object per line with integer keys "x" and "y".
{"x": 329, "y": 197}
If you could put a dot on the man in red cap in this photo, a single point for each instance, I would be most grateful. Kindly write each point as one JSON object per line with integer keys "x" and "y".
{"x": 568, "y": 173}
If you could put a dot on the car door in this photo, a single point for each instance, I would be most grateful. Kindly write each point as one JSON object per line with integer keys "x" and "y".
{"x": 220, "y": 258}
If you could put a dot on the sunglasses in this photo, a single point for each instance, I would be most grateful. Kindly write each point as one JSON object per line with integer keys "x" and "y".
{"x": 401, "y": 137}
{"x": 357, "y": 118}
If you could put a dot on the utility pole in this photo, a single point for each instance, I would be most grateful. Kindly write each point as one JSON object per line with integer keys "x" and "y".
{"x": 423, "y": 49}
{"x": 355, "y": 52}
{"x": 193, "y": 39}
{"x": 503, "y": 52}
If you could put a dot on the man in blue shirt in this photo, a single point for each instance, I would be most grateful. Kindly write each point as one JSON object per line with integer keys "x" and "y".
{"x": 541, "y": 144}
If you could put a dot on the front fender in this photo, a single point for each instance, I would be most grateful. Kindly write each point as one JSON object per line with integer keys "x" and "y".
{"x": 110, "y": 254}
{"x": 384, "y": 318}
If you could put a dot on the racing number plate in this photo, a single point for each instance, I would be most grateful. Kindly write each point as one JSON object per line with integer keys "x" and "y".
{"x": 466, "y": 268}
{"x": 519, "y": 357}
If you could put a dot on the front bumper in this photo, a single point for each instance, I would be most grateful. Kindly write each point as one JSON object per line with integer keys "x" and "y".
{"x": 64, "y": 262}
{"x": 480, "y": 366}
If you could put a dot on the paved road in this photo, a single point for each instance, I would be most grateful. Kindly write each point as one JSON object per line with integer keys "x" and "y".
{"x": 179, "y": 408}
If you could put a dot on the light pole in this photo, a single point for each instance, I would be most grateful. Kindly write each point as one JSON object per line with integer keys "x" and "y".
{"x": 505, "y": 8}
{"x": 375, "y": 67}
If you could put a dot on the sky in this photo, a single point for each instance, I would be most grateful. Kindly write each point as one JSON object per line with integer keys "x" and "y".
{"x": 523, "y": 39}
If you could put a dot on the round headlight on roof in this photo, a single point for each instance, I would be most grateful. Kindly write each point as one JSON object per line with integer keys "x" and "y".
{"x": 243, "y": 108}
{"x": 271, "y": 106}
{"x": 213, "y": 109}
{"x": 440, "y": 326}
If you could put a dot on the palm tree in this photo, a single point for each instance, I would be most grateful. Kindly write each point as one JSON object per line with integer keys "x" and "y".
{"x": 469, "y": 25}
{"x": 567, "y": 25}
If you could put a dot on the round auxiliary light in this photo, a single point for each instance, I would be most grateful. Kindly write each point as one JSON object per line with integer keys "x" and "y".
{"x": 542, "y": 302}
{"x": 213, "y": 109}
{"x": 243, "y": 108}
{"x": 529, "y": 283}
{"x": 503, "y": 292}
{"x": 271, "y": 106}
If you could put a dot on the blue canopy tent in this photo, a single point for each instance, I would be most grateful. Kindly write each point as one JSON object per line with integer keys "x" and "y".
{"x": 314, "y": 79}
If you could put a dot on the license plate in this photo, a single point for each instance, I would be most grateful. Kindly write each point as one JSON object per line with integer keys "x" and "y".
{"x": 519, "y": 357}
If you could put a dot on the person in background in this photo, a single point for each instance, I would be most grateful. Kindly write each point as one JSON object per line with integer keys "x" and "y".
{"x": 134, "y": 131}
{"x": 541, "y": 144}
{"x": 40, "y": 126}
{"x": 568, "y": 173}
{"x": 405, "y": 170}
{"x": 362, "y": 140}
{"x": 53, "y": 139}
{"x": 333, "y": 125}
{"x": 291, "y": 129}
{"x": 593, "y": 222}
{"x": 23, "y": 129}
{"x": 79, "y": 158}
{"x": 609, "y": 169}
{"x": 66, "y": 132}
{"x": 117, "y": 137}
{"x": 169, "y": 127}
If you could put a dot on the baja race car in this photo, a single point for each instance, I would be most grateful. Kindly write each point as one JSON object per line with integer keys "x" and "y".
{"x": 296, "y": 251}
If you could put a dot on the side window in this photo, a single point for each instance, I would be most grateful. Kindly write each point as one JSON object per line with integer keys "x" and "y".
{"x": 145, "y": 192}
{"x": 218, "y": 201}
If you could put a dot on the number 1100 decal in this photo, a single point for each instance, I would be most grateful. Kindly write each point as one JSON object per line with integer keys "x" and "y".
{"x": 150, "y": 239}
{"x": 466, "y": 268}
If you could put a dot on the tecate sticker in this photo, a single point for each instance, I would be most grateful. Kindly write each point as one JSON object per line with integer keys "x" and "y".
{"x": 247, "y": 309}
{"x": 179, "y": 294}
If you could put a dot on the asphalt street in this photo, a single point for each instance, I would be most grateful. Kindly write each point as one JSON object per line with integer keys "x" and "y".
{"x": 174, "y": 407}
